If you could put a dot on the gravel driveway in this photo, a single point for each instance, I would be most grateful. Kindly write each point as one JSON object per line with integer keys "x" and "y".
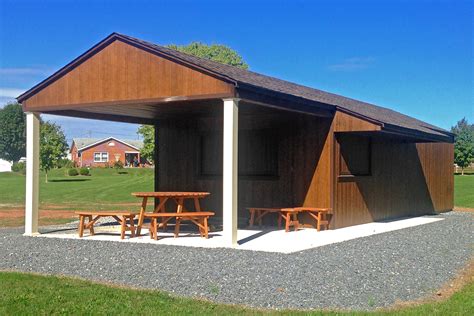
{"x": 363, "y": 273}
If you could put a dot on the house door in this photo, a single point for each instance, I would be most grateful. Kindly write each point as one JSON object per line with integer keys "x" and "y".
{"x": 131, "y": 160}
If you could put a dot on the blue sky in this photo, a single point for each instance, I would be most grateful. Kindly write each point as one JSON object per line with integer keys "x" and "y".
{"x": 415, "y": 57}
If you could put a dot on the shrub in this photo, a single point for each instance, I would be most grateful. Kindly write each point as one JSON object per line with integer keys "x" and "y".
{"x": 118, "y": 165}
{"x": 72, "y": 172}
{"x": 19, "y": 167}
{"x": 84, "y": 171}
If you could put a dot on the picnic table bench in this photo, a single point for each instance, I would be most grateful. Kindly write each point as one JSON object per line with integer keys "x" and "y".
{"x": 198, "y": 218}
{"x": 290, "y": 215}
{"x": 121, "y": 216}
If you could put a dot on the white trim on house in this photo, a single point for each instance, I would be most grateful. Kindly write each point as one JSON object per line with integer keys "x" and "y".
{"x": 5, "y": 166}
{"x": 101, "y": 156}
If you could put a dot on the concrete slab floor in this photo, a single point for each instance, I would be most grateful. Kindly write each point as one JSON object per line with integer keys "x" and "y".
{"x": 266, "y": 240}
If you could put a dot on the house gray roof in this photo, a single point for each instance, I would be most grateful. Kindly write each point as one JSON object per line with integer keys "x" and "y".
{"x": 82, "y": 143}
{"x": 383, "y": 115}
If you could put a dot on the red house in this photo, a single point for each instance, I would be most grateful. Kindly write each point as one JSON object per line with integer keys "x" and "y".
{"x": 95, "y": 152}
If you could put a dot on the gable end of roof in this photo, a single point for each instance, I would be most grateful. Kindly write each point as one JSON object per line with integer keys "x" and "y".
{"x": 244, "y": 79}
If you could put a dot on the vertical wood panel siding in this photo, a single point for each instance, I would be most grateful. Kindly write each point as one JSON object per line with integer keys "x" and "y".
{"x": 304, "y": 160}
{"x": 123, "y": 72}
{"x": 347, "y": 123}
{"x": 407, "y": 179}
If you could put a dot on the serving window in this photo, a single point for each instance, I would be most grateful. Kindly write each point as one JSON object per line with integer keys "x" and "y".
{"x": 355, "y": 155}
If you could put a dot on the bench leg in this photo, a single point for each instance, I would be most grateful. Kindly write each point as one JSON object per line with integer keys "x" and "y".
{"x": 132, "y": 226}
{"x": 206, "y": 228}
{"x": 279, "y": 220}
{"x": 287, "y": 222}
{"x": 200, "y": 224}
{"x": 91, "y": 227}
{"x": 252, "y": 217}
{"x": 150, "y": 228}
{"x": 155, "y": 228}
{"x": 260, "y": 216}
{"x": 296, "y": 223}
{"x": 318, "y": 225}
{"x": 81, "y": 225}
{"x": 123, "y": 227}
{"x": 176, "y": 228}
{"x": 323, "y": 220}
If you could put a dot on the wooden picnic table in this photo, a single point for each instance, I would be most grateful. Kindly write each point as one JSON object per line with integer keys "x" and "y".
{"x": 163, "y": 197}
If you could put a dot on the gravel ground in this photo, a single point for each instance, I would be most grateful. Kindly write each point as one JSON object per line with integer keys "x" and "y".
{"x": 361, "y": 274}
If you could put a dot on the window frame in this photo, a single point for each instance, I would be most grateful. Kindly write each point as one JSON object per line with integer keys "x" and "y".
{"x": 101, "y": 156}
{"x": 341, "y": 160}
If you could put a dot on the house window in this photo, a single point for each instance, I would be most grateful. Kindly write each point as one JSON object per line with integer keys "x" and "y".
{"x": 101, "y": 157}
{"x": 355, "y": 155}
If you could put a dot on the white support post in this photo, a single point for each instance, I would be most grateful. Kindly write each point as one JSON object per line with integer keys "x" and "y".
{"x": 32, "y": 173}
{"x": 230, "y": 171}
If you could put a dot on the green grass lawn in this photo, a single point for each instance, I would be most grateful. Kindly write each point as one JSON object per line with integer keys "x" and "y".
{"x": 102, "y": 188}
{"x": 107, "y": 189}
{"x": 464, "y": 190}
{"x": 106, "y": 186}
{"x": 27, "y": 294}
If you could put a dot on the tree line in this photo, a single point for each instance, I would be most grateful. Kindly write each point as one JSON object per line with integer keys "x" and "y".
{"x": 53, "y": 145}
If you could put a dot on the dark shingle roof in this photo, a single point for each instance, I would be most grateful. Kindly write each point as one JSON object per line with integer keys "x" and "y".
{"x": 238, "y": 75}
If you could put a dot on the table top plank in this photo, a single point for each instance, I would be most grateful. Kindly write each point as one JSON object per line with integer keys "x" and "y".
{"x": 172, "y": 194}
{"x": 106, "y": 213}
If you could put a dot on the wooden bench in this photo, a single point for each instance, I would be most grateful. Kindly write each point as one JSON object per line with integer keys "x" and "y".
{"x": 93, "y": 216}
{"x": 320, "y": 214}
{"x": 198, "y": 218}
{"x": 290, "y": 215}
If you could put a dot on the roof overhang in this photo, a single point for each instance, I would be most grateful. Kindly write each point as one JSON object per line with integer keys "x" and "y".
{"x": 147, "y": 109}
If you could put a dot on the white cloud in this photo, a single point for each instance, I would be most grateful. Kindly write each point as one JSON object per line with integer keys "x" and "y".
{"x": 10, "y": 92}
{"x": 353, "y": 64}
{"x": 5, "y": 100}
{"x": 24, "y": 71}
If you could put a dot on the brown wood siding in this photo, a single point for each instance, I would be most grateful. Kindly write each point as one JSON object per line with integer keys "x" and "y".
{"x": 304, "y": 159}
{"x": 347, "y": 123}
{"x": 407, "y": 179}
{"x": 123, "y": 72}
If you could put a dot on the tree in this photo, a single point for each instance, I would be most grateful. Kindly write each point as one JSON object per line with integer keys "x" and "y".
{"x": 12, "y": 132}
{"x": 216, "y": 52}
{"x": 148, "y": 149}
{"x": 53, "y": 146}
{"x": 464, "y": 144}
